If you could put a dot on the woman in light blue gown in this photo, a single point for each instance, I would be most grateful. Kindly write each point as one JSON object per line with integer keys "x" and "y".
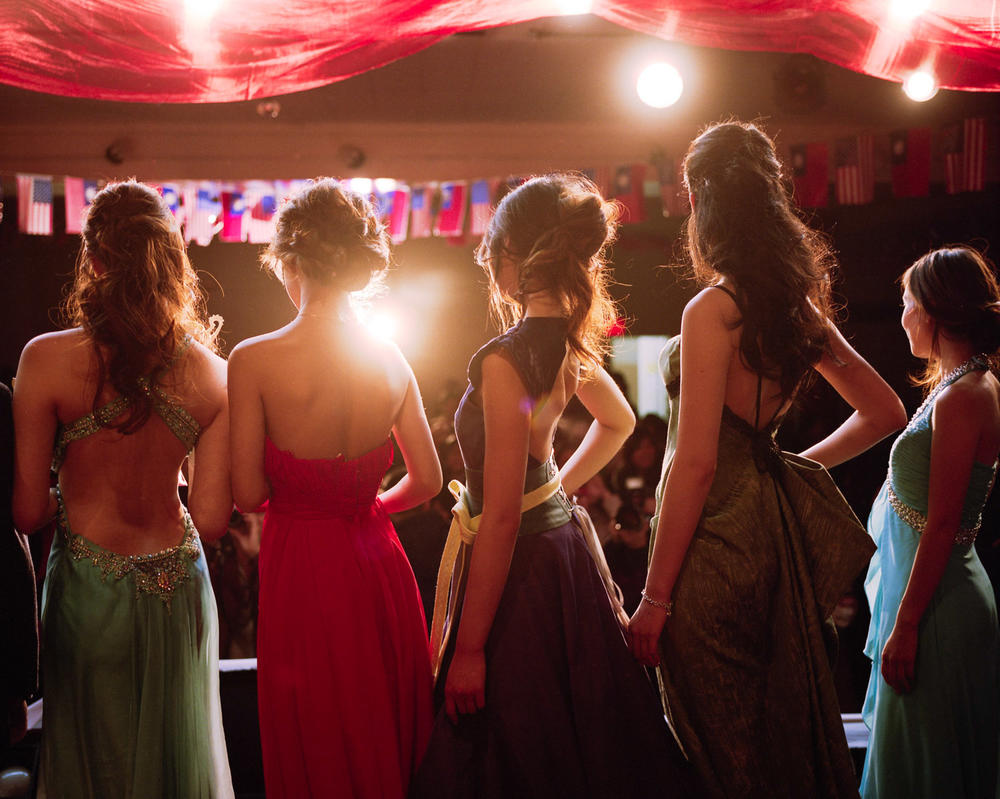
{"x": 933, "y": 702}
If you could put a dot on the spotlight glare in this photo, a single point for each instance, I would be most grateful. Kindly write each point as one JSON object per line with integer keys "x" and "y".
{"x": 202, "y": 10}
{"x": 385, "y": 185}
{"x": 906, "y": 10}
{"x": 572, "y": 8}
{"x": 383, "y": 324}
{"x": 659, "y": 85}
{"x": 920, "y": 86}
{"x": 362, "y": 186}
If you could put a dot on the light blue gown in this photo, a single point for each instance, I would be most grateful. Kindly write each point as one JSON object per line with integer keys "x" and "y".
{"x": 941, "y": 740}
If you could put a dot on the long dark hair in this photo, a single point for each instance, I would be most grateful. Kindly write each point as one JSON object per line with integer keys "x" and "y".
{"x": 556, "y": 228}
{"x": 957, "y": 287}
{"x": 135, "y": 294}
{"x": 745, "y": 227}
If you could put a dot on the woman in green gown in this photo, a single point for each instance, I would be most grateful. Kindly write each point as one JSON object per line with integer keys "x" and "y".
{"x": 130, "y": 630}
{"x": 933, "y": 702}
{"x": 752, "y": 546}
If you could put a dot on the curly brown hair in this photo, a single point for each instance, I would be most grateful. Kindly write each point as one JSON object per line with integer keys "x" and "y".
{"x": 135, "y": 294}
{"x": 744, "y": 226}
{"x": 331, "y": 235}
{"x": 556, "y": 228}
{"x": 957, "y": 287}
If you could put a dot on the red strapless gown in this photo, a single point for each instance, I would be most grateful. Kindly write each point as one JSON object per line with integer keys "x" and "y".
{"x": 344, "y": 678}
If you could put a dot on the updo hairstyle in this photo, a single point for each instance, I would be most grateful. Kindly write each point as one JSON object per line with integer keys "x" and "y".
{"x": 331, "y": 235}
{"x": 135, "y": 294}
{"x": 555, "y": 229}
{"x": 745, "y": 227}
{"x": 957, "y": 287}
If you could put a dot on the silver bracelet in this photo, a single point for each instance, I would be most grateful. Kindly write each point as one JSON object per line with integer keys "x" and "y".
{"x": 668, "y": 606}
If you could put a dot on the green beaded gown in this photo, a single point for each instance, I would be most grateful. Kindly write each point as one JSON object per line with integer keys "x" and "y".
{"x": 130, "y": 659}
{"x": 942, "y": 738}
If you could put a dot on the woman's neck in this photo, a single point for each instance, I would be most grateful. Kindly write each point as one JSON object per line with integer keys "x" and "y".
{"x": 321, "y": 302}
{"x": 542, "y": 303}
{"x": 953, "y": 353}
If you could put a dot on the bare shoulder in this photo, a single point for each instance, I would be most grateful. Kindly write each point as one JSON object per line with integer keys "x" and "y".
{"x": 975, "y": 394}
{"x": 711, "y": 307}
{"x": 57, "y": 344}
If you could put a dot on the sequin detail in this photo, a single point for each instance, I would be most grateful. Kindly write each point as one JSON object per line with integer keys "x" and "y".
{"x": 158, "y": 573}
{"x": 917, "y": 520}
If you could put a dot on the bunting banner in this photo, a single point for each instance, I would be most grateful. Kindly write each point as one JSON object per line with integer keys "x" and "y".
{"x": 79, "y": 195}
{"x": 450, "y": 220}
{"x": 810, "y": 168}
{"x": 911, "y": 162}
{"x": 854, "y": 179}
{"x": 481, "y": 194}
{"x": 421, "y": 219}
{"x": 34, "y": 204}
{"x": 259, "y": 204}
{"x": 392, "y": 199}
{"x": 628, "y": 191}
{"x": 233, "y": 216}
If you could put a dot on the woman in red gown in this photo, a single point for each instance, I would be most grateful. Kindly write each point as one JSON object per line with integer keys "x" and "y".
{"x": 344, "y": 676}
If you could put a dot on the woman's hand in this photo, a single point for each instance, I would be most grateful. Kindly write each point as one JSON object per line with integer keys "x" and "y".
{"x": 899, "y": 658}
{"x": 644, "y": 630}
{"x": 465, "y": 688}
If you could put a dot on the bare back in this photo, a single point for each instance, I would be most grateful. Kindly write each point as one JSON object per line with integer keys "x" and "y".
{"x": 120, "y": 491}
{"x": 327, "y": 389}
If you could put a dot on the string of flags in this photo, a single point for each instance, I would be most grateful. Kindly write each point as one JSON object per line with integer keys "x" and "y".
{"x": 244, "y": 211}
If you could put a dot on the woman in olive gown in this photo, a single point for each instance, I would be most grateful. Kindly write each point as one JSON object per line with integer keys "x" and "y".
{"x": 130, "y": 629}
{"x": 752, "y": 546}
{"x": 933, "y": 702}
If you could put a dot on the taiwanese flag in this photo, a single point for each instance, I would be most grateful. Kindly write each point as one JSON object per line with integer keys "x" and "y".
{"x": 673, "y": 196}
{"x": 34, "y": 204}
{"x": 392, "y": 200}
{"x": 481, "y": 205}
{"x": 260, "y": 199}
{"x": 810, "y": 167}
{"x": 628, "y": 191}
{"x": 79, "y": 195}
{"x": 233, "y": 208}
{"x": 171, "y": 194}
{"x": 451, "y": 213}
{"x": 911, "y": 162}
{"x": 420, "y": 212}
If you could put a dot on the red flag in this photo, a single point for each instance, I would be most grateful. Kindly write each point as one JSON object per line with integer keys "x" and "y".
{"x": 810, "y": 166}
{"x": 34, "y": 204}
{"x": 673, "y": 195}
{"x": 601, "y": 177}
{"x": 420, "y": 212}
{"x": 394, "y": 208}
{"x": 481, "y": 205}
{"x": 911, "y": 162}
{"x": 628, "y": 191}
{"x": 451, "y": 213}
{"x": 854, "y": 179}
{"x": 974, "y": 136}
{"x": 233, "y": 216}
{"x": 79, "y": 195}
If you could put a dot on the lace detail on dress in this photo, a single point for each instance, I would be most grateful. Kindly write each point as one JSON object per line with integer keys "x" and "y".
{"x": 536, "y": 355}
{"x": 158, "y": 573}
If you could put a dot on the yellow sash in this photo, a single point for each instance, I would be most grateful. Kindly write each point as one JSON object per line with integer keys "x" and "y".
{"x": 457, "y": 549}
{"x": 454, "y": 560}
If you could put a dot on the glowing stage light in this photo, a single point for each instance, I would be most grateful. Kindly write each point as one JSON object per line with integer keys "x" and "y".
{"x": 384, "y": 185}
{"x": 920, "y": 86}
{"x": 383, "y": 324}
{"x": 573, "y": 7}
{"x": 202, "y": 10}
{"x": 659, "y": 85}
{"x": 906, "y": 10}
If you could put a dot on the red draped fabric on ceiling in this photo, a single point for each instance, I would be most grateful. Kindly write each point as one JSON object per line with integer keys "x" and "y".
{"x": 158, "y": 51}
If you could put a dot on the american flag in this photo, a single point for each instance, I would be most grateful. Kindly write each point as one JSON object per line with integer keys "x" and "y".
{"x": 171, "y": 193}
{"x": 855, "y": 176}
{"x": 420, "y": 211}
{"x": 34, "y": 204}
{"x": 974, "y": 135}
{"x": 628, "y": 191}
{"x": 233, "y": 216}
{"x": 481, "y": 205}
{"x": 204, "y": 213}
{"x": 450, "y": 219}
{"x": 79, "y": 195}
{"x": 261, "y": 202}
{"x": 953, "y": 147}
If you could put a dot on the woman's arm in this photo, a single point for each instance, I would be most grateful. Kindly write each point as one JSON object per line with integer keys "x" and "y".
{"x": 423, "y": 469}
{"x": 613, "y": 423}
{"x": 246, "y": 431}
{"x": 210, "y": 498}
{"x": 877, "y": 410}
{"x": 35, "y": 423}
{"x": 508, "y": 423}
{"x": 957, "y": 424}
{"x": 707, "y": 349}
